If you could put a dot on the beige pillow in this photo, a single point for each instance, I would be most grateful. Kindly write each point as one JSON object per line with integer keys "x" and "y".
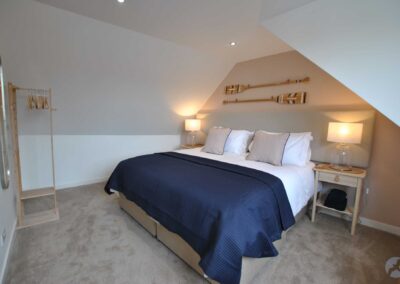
{"x": 268, "y": 148}
{"x": 216, "y": 140}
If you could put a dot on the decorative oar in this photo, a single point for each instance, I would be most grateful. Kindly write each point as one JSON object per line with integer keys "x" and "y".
{"x": 235, "y": 89}
{"x": 290, "y": 98}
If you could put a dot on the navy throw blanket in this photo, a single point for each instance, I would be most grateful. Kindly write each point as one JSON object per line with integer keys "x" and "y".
{"x": 223, "y": 211}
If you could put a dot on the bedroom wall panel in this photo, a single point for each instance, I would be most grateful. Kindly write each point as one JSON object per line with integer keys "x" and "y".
{"x": 118, "y": 93}
{"x": 84, "y": 159}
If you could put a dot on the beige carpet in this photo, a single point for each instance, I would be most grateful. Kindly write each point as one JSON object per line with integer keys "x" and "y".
{"x": 96, "y": 242}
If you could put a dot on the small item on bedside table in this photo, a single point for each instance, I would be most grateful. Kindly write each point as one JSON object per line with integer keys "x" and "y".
{"x": 336, "y": 199}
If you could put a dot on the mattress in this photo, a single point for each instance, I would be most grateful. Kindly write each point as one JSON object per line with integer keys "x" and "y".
{"x": 298, "y": 181}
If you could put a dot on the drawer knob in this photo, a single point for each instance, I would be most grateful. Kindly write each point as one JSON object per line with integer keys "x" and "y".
{"x": 337, "y": 178}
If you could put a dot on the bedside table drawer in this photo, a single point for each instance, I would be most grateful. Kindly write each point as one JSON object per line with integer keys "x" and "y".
{"x": 338, "y": 179}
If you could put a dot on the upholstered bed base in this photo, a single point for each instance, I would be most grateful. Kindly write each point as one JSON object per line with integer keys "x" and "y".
{"x": 251, "y": 267}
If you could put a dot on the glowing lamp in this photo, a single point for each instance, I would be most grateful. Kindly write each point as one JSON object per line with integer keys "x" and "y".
{"x": 344, "y": 134}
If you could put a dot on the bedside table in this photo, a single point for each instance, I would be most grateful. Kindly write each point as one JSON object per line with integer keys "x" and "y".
{"x": 352, "y": 179}
{"x": 189, "y": 146}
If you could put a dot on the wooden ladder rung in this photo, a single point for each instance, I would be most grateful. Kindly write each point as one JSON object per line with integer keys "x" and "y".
{"x": 34, "y": 193}
{"x": 39, "y": 218}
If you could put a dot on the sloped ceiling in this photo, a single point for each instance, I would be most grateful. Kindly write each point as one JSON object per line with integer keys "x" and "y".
{"x": 106, "y": 80}
{"x": 357, "y": 42}
{"x": 205, "y": 25}
{"x": 354, "y": 41}
{"x": 272, "y": 8}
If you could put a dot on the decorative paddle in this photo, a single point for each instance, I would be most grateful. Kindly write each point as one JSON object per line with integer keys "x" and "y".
{"x": 290, "y": 98}
{"x": 235, "y": 89}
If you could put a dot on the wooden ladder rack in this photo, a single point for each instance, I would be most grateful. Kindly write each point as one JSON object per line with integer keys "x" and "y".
{"x": 27, "y": 220}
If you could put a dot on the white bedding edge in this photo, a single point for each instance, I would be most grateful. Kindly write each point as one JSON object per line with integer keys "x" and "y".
{"x": 298, "y": 181}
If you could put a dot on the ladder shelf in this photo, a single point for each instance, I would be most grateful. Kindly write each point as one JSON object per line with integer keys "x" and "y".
{"x": 42, "y": 103}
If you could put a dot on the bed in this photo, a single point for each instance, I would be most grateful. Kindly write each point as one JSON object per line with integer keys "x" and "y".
{"x": 296, "y": 184}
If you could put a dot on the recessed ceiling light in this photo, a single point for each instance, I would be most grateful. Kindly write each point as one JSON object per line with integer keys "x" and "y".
{"x": 232, "y": 43}
{"x": 121, "y": 1}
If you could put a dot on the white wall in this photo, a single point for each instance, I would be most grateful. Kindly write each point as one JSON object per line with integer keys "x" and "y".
{"x": 83, "y": 159}
{"x": 357, "y": 42}
{"x": 118, "y": 93}
{"x": 105, "y": 79}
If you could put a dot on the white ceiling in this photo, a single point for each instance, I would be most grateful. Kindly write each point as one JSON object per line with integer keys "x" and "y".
{"x": 206, "y": 25}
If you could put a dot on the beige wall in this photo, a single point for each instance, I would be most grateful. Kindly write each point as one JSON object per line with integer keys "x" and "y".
{"x": 323, "y": 89}
{"x": 382, "y": 202}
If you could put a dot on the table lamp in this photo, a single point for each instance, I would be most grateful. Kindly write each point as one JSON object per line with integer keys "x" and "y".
{"x": 344, "y": 134}
{"x": 192, "y": 125}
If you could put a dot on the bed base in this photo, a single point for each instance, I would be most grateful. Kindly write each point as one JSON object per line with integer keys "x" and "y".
{"x": 251, "y": 267}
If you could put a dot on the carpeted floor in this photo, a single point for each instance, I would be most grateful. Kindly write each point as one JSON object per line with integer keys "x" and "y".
{"x": 96, "y": 242}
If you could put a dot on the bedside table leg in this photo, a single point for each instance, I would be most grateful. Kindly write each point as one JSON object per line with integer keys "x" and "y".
{"x": 314, "y": 208}
{"x": 356, "y": 207}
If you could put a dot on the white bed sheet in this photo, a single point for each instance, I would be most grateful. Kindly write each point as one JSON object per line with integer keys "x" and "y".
{"x": 298, "y": 181}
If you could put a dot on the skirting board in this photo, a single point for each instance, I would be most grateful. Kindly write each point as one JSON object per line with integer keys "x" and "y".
{"x": 367, "y": 222}
{"x": 380, "y": 226}
{"x": 8, "y": 252}
{"x": 80, "y": 183}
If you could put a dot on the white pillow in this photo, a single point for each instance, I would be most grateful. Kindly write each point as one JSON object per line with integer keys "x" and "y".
{"x": 297, "y": 150}
{"x": 238, "y": 141}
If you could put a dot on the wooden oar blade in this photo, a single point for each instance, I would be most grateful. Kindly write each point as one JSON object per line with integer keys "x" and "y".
{"x": 235, "y": 89}
{"x": 230, "y": 89}
{"x": 292, "y": 98}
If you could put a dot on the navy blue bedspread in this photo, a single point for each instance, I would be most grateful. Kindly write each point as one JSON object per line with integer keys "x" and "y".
{"x": 223, "y": 211}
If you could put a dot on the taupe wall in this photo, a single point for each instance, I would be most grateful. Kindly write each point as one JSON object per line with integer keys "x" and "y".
{"x": 323, "y": 90}
{"x": 381, "y": 204}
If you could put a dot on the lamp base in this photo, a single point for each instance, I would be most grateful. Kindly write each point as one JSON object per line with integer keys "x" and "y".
{"x": 341, "y": 168}
{"x": 342, "y": 163}
{"x": 192, "y": 138}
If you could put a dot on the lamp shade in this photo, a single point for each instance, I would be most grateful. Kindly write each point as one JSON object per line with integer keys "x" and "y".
{"x": 192, "y": 124}
{"x": 341, "y": 132}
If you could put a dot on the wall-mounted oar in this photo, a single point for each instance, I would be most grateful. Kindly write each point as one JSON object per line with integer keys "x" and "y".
{"x": 290, "y": 98}
{"x": 235, "y": 89}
